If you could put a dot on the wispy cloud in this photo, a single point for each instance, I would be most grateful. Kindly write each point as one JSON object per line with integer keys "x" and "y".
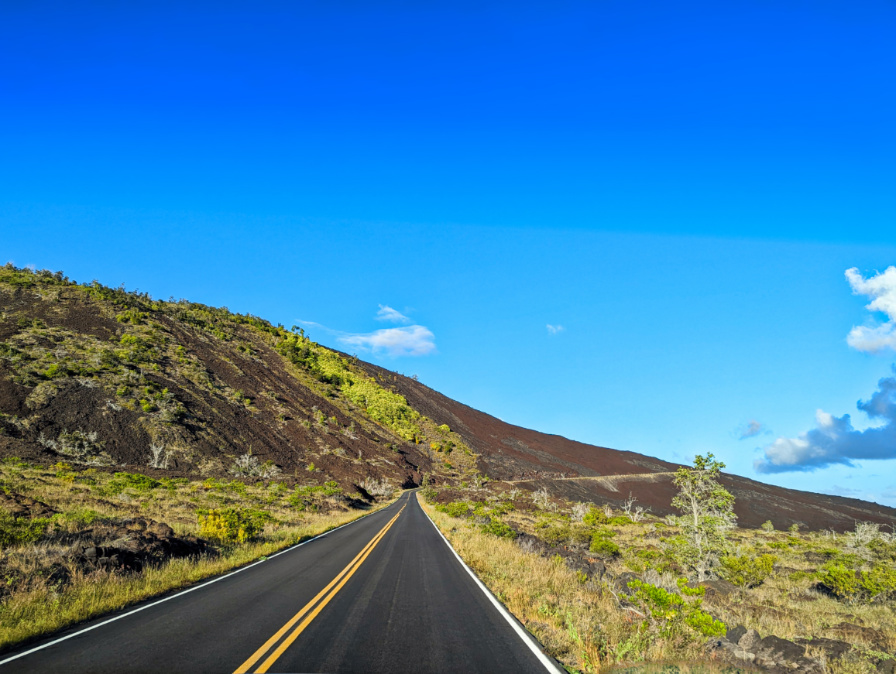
{"x": 881, "y": 288}
{"x": 413, "y": 340}
{"x": 410, "y": 340}
{"x": 751, "y": 429}
{"x": 835, "y": 441}
{"x": 387, "y": 313}
{"x": 555, "y": 329}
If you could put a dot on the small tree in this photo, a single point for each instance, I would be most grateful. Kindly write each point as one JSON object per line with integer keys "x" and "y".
{"x": 707, "y": 514}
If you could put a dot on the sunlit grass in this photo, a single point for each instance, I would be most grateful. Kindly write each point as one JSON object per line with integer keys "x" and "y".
{"x": 38, "y": 605}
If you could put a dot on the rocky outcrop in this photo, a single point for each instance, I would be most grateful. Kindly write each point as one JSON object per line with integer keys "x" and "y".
{"x": 23, "y": 506}
{"x": 742, "y": 647}
{"x": 132, "y": 544}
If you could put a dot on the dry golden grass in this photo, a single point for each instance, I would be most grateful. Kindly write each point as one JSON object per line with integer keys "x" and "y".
{"x": 788, "y": 606}
{"x": 579, "y": 623}
{"x": 38, "y": 606}
{"x": 584, "y": 626}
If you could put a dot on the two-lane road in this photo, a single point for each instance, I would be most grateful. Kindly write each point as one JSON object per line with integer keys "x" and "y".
{"x": 383, "y": 594}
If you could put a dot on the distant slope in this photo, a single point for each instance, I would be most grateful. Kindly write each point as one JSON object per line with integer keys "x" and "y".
{"x": 577, "y": 471}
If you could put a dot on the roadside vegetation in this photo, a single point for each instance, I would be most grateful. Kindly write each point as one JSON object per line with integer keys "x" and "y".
{"x": 168, "y": 441}
{"x": 605, "y": 588}
{"x": 77, "y": 542}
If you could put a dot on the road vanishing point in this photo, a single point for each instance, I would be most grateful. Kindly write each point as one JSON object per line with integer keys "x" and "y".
{"x": 385, "y": 593}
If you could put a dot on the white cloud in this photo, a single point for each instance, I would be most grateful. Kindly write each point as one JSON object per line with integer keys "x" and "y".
{"x": 881, "y": 288}
{"x": 387, "y": 313}
{"x": 413, "y": 340}
{"x": 410, "y": 340}
{"x": 555, "y": 329}
{"x": 835, "y": 441}
{"x": 751, "y": 429}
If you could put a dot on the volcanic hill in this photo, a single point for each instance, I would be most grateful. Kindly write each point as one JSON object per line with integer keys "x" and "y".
{"x": 109, "y": 378}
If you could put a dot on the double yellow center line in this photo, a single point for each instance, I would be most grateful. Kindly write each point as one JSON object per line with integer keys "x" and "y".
{"x": 311, "y": 609}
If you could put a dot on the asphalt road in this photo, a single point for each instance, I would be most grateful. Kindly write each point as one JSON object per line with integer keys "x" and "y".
{"x": 383, "y": 594}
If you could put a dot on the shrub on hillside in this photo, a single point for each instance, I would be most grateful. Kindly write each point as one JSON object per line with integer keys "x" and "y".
{"x": 309, "y": 497}
{"x": 879, "y": 583}
{"x": 20, "y": 530}
{"x": 602, "y": 545}
{"x": 594, "y": 517}
{"x": 668, "y": 613}
{"x": 231, "y": 525}
{"x": 135, "y": 481}
{"x": 554, "y": 534}
{"x": 866, "y": 586}
{"x": 884, "y": 550}
{"x": 498, "y": 528}
{"x": 455, "y": 508}
{"x": 747, "y": 571}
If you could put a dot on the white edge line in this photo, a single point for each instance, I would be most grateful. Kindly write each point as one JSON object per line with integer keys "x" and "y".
{"x": 513, "y": 622}
{"x": 187, "y": 591}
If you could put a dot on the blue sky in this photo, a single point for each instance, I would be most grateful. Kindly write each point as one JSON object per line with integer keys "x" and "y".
{"x": 677, "y": 191}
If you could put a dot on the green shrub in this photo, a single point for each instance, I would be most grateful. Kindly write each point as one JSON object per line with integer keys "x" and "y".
{"x": 237, "y": 487}
{"x": 647, "y": 554}
{"x": 580, "y": 536}
{"x": 798, "y": 576}
{"x": 700, "y": 621}
{"x": 308, "y": 497}
{"x": 455, "y": 508}
{"x": 20, "y": 530}
{"x": 555, "y": 534}
{"x": 131, "y": 316}
{"x": 687, "y": 591}
{"x": 878, "y": 583}
{"x": 594, "y": 517}
{"x": 135, "y": 481}
{"x": 883, "y": 550}
{"x": 602, "y": 545}
{"x": 55, "y": 370}
{"x": 498, "y": 528}
{"x": 848, "y": 559}
{"x": 231, "y": 525}
{"x": 830, "y": 553}
{"x": 668, "y": 612}
{"x": 80, "y": 517}
{"x": 841, "y": 581}
{"x": 747, "y": 571}
{"x": 172, "y": 483}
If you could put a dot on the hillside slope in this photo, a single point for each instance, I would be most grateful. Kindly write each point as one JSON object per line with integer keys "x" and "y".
{"x": 103, "y": 377}
{"x": 578, "y": 472}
